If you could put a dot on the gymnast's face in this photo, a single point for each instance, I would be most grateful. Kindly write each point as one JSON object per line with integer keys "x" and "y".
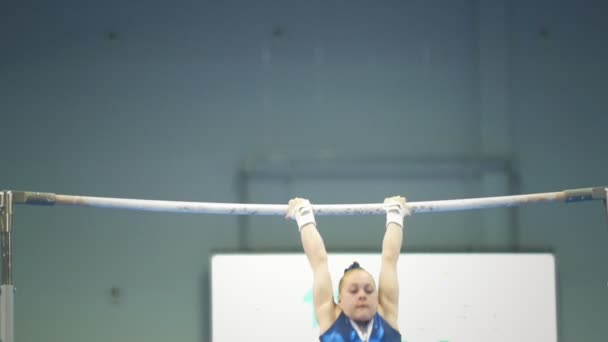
{"x": 358, "y": 296}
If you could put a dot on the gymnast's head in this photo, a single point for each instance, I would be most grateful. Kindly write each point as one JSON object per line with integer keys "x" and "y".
{"x": 357, "y": 294}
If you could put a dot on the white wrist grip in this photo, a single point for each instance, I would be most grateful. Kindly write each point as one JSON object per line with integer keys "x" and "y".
{"x": 396, "y": 210}
{"x": 304, "y": 216}
{"x": 394, "y": 216}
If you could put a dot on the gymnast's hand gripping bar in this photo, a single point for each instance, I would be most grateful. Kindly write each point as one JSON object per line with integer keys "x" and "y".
{"x": 39, "y": 198}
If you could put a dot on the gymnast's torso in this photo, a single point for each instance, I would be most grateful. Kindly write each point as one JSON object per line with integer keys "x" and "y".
{"x": 343, "y": 331}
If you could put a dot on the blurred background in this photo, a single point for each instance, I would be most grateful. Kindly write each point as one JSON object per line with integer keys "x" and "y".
{"x": 261, "y": 101}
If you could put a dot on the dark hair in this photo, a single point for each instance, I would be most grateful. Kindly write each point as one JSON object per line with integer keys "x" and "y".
{"x": 354, "y": 266}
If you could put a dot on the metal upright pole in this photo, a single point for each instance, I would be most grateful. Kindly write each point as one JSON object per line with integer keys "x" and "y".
{"x": 606, "y": 202}
{"x": 7, "y": 290}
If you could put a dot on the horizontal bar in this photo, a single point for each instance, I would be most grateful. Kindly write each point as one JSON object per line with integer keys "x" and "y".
{"x": 565, "y": 196}
{"x": 36, "y": 198}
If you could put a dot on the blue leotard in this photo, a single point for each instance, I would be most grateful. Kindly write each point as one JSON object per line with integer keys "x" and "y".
{"x": 343, "y": 331}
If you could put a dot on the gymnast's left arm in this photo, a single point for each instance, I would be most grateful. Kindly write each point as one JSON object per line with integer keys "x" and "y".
{"x": 388, "y": 287}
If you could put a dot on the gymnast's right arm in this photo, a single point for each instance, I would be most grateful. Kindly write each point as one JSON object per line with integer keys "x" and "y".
{"x": 314, "y": 248}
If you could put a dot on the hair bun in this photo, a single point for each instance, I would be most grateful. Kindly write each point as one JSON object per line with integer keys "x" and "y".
{"x": 355, "y": 265}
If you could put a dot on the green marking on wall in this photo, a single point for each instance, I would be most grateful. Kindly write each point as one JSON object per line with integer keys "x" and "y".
{"x": 308, "y": 300}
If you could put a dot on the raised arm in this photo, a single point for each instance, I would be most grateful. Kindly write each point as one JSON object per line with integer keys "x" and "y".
{"x": 388, "y": 287}
{"x": 314, "y": 248}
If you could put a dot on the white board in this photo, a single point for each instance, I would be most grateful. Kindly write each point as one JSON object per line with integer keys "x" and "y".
{"x": 443, "y": 297}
